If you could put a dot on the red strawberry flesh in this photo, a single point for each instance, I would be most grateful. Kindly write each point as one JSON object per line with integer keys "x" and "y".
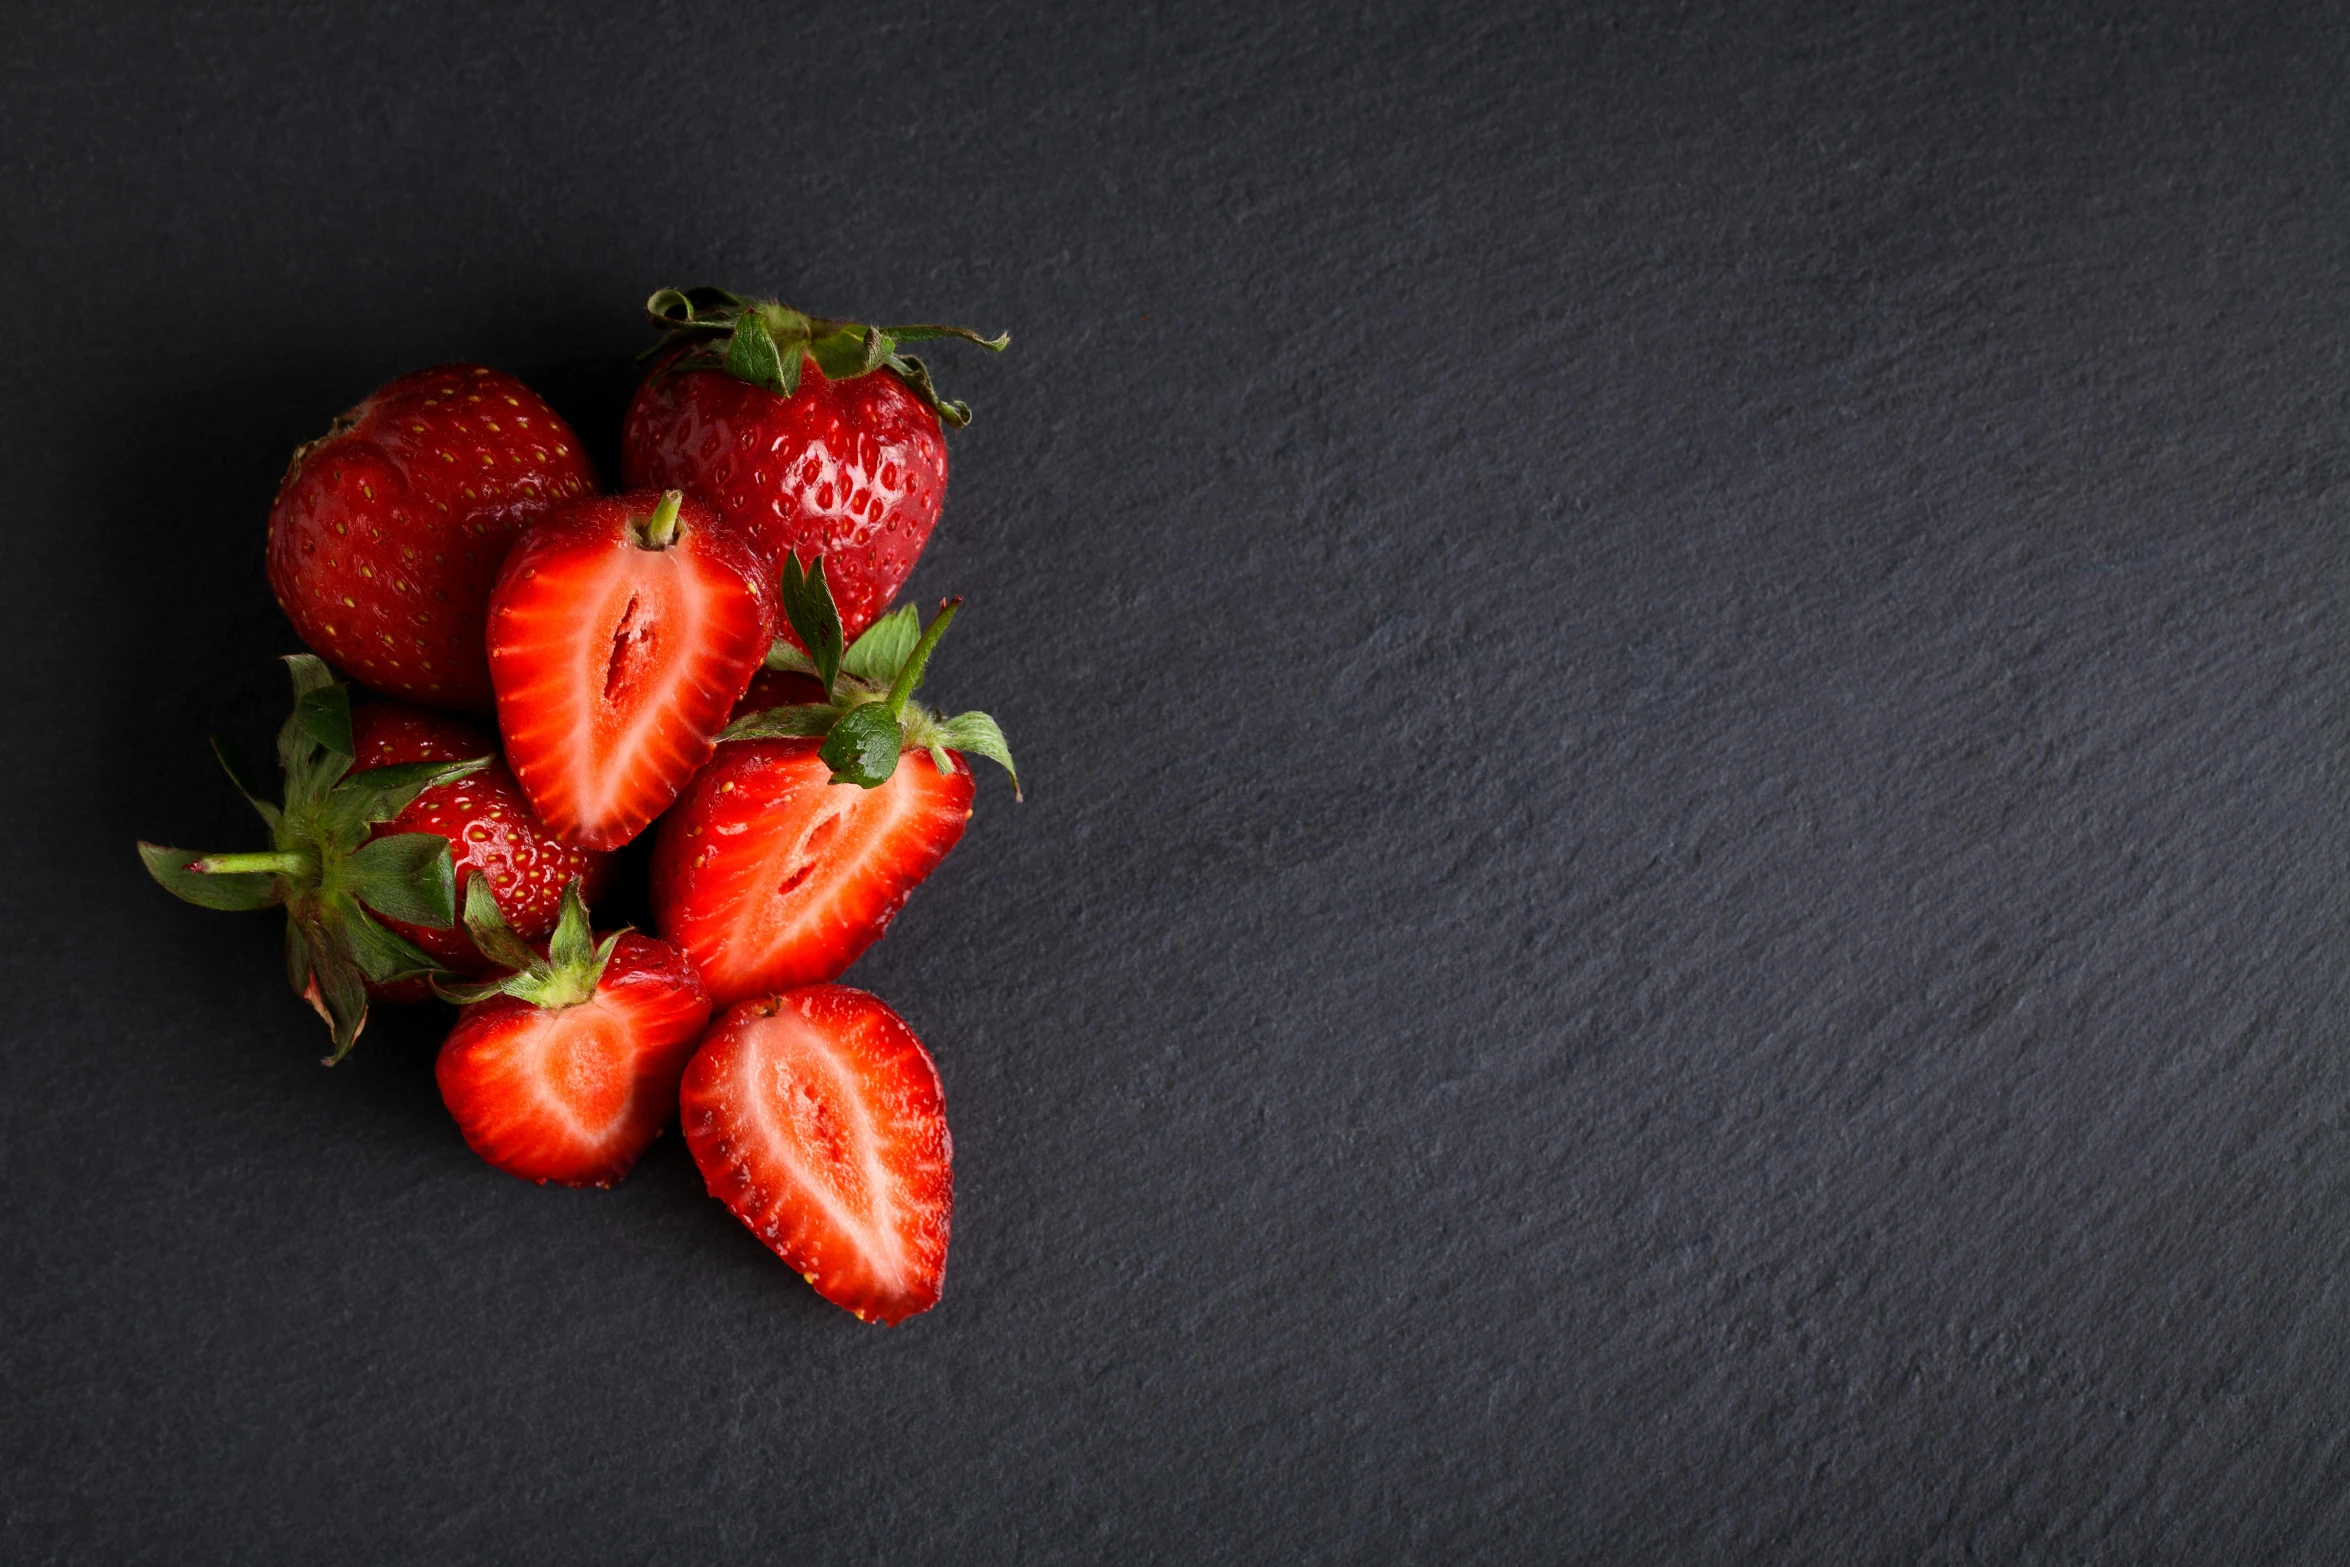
{"x": 576, "y": 1094}
{"x": 617, "y": 662}
{"x": 816, "y": 1116}
{"x": 771, "y": 876}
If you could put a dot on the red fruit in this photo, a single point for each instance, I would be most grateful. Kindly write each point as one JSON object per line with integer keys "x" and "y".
{"x": 567, "y": 1069}
{"x": 349, "y": 880}
{"x": 778, "y": 688}
{"x": 388, "y": 530}
{"x": 816, "y": 1117}
{"x": 771, "y": 876}
{"x": 492, "y": 832}
{"x": 853, "y": 471}
{"x": 621, "y": 631}
{"x": 809, "y": 435}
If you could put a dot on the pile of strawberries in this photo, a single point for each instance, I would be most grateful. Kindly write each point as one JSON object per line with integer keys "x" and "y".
{"x": 707, "y": 656}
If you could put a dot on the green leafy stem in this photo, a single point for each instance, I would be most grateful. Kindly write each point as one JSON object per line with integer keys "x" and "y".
{"x": 765, "y": 343}
{"x": 332, "y": 878}
{"x": 868, "y": 717}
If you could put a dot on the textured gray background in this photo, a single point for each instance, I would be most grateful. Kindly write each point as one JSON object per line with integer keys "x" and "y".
{"x": 1683, "y": 895}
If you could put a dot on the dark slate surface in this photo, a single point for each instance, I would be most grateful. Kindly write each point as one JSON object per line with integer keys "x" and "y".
{"x": 1683, "y": 897}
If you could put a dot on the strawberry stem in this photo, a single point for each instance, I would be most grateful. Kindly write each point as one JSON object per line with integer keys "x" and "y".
{"x": 763, "y": 343}
{"x": 286, "y": 862}
{"x": 659, "y": 531}
{"x": 910, "y": 673}
{"x": 566, "y": 977}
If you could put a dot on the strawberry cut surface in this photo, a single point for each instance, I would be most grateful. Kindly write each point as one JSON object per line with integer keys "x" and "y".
{"x": 388, "y": 531}
{"x": 853, "y": 470}
{"x": 771, "y": 876}
{"x": 617, "y": 661}
{"x": 576, "y": 1094}
{"x": 817, "y": 1118}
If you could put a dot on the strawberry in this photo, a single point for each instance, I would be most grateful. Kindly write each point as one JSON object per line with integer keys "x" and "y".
{"x": 771, "y": 878}
{"x": 491, "y": 829}
{"x": 566, "y": 1069}
{"x": 811, "y": 435}
{"x": 768, "y": 874}
{"x": 621, "y": 631}
{"x": 778, "y": 688}
{"x": 335, "y": 866}
{"x": 816, "y": 1117}
{"x": 388, "y": 529}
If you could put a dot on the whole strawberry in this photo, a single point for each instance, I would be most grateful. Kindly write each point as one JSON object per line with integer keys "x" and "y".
{"x": 360, "y": 855}
{"x": 337, "y": 877}
{"x": 493, "y": 834}
{"x": 389, "y": 529}
{"x": 813, "y": 436}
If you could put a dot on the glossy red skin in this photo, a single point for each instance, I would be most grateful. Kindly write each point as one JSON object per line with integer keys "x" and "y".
{"x": 778, "y": 688}
{"x": 388, "y": 531}
{"x": 764, "y": 1112}
{"x": 677, "y": 631}
{"x": 854, "y": 471}
{"x": 490, "y": 827}
{"x": 734, "y": 886}
{"x": 628, "y": 1045}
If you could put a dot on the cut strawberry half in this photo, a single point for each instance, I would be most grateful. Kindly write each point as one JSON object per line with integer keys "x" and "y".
{"x": 621, "y": 631}
{"x": 817, "y": 1118}
{"x": 771, "y": 877}
{"x": 767, "y": 871}
{"x": 566, "y": 1069}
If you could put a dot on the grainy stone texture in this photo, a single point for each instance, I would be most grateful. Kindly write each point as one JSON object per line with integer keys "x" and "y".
{"x": 1683, "y": 896}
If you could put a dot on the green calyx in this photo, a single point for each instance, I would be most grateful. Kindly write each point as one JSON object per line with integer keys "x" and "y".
{"x": 321, "y": 866}
{"x": 868, "y": 717}
{"x": 764, "y": 343}
{"x": 566, "y": 976}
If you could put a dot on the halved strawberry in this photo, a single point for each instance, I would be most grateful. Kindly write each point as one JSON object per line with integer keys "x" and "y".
{"x": 771, "y": 877}
{"x": 817, "y": 1118}
{"x": 621, "y": 631}
{"x": 567, "y": 1068}
{"x": 768, "y": 872}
